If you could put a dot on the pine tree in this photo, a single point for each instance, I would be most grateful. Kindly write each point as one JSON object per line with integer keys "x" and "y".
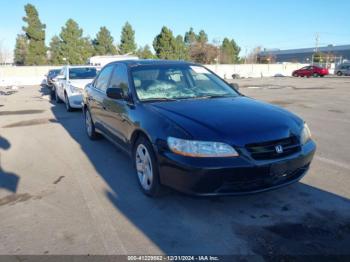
{"x": 127, "y": 40}
{"x": 21, "y": 49}
{"x": 165, "y": 45}
{"x": 145, "y": 52}
{"x": 229, "y": 52}
{"x": 35, "y": 33}
{"x": 181, "y": 50}
{"x": 55, "y": 56}
{"x": 103, "y": 44}
{"x": 202, "y": 37}
{"x": 190, "y": 37}
{"x": 74, "y": 48}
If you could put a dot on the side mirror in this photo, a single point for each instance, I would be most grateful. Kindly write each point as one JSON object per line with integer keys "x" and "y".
{"x": 235, "y": 86}
{"x": 115, "y": 93}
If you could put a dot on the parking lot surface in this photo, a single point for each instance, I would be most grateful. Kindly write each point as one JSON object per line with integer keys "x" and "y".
{"x": 61, "y": 193}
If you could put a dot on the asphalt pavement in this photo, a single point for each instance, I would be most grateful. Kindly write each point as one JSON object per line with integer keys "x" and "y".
{"x": 61, "y": 193}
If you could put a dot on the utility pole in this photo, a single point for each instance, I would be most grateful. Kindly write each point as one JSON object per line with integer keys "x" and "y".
{"x": 317, "y": 41}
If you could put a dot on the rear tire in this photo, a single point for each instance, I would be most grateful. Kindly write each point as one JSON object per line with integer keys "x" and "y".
{"x": 339, "y": 73}
{"x": 295, "y": 75}
{"x": 315, "y": 75}
{"x": 146, "y": 168}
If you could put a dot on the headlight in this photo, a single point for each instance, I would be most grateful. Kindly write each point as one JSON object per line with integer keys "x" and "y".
{"x": 74, "y": 89}
{"x": 200, "y": 148}
{"x": 305, "y": 134}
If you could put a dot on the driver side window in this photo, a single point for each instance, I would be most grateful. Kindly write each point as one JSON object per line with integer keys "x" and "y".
{"x": 102, "y": 80}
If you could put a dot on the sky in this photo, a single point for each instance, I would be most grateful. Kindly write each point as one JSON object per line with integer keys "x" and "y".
{"x": 280, "y": 24}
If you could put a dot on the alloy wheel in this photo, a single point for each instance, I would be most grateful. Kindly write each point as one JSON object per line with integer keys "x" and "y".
{"x": 88, "y": 123}
{"x": 144, "y": 167}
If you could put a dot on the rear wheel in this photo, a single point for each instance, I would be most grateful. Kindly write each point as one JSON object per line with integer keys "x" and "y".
{"x": 295, "y": 74}
{"x": 339, "y": 73}
{"x": 315, "y": 75}
{"x": 146, "y": 167}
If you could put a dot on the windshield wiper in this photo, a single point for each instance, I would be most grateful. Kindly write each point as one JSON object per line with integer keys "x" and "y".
{"x": 159, "y": 99}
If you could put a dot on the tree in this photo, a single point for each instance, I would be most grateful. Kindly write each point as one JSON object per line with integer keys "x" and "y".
{"x": 203, "y": 53}
{"x": 35, "y": 33}
{"x": 127, "y": 40}
{"x": 74, "y": 48}
{"x": 190, "y": 37}
{"x": 181, "y": 50}
{"x": 55, "y": 56}
{"x": 202, "y": 37}
{"x": 103, "y": 43}
{"x": 21, "y": 50}
{"x": 164, "y": 44}
{"x": 229, "y": 52}
{"x": 145, "y": 52}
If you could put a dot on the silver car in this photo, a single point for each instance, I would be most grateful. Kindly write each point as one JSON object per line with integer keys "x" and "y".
{"x": 342, "y": 70}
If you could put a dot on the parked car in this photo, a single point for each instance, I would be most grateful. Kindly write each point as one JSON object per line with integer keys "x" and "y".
{"x": 50, "y": 76}
{"x": 343, "y": 69}
{"x": 70, "y": 84}
{"x": 186, "y": 128}
{"x": 308, "y": 71}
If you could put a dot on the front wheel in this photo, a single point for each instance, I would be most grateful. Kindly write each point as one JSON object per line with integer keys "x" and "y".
{"x": 89, "y": 125}
{"x": 68, "y": 107}
{"x": 57, "y": 98}
{"x": 146, "y": 168}
{"x": 339, "y": 73}
{"x": 295, "y": 74}
{"x": 315, "y": 75}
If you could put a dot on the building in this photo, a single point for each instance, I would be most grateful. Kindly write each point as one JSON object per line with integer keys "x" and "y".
{"x": 328, "y": 54}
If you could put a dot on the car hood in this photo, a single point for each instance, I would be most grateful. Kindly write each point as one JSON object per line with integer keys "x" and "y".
{"x": 238, "y": 121}
{"x": 80, "y": 83}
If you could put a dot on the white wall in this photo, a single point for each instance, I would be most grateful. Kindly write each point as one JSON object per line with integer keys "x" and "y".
{"x": 23, "y": 75}
{"x": 34, "y": 75}
{"x": 254, "y": 70}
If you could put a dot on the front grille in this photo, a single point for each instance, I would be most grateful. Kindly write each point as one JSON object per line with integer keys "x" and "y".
{"x": 267, "y": 150}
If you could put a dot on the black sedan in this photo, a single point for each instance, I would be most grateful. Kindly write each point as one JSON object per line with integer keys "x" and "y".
{"x": 186, "y": 128}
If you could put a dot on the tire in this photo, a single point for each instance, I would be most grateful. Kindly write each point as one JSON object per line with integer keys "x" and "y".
{"x": 315, "y": 75}
{"x": 66, "y": 101}
{"x": 339, "y": 73}
{"x": 146, "y": 168}
{"x": 295, "y": 75}
{"x": 57, "y": 99}
{"x": 321, "y": 75}
{"x": 89, "y": 126}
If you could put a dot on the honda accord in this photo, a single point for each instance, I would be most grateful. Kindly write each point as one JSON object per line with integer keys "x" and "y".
{"x": 186, "y": 128}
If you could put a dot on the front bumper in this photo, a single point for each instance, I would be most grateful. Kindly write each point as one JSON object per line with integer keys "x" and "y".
{"x": 232, "y": 176}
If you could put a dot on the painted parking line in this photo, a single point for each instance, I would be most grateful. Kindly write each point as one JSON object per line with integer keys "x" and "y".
{"x": 333, "y": 162}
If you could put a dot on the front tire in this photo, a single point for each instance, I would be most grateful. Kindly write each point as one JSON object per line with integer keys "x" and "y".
{"x": 89, "y": 126}
{"x": 68, "y": 107}
{"x": 315, "y": 75}
{"x": 339, "y": 73}
{"x": 146, "y": 168}
{"x": 57, "y": 98}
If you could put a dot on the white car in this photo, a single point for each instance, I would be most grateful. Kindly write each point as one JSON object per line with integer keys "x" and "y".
{"x": 69, "y": 85}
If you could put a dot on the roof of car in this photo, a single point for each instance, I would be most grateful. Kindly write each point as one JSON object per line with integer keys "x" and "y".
{"x": 140, "y": 62}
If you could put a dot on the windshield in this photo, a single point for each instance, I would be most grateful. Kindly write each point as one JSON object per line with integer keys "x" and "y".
{"x": 178, "y": 82}
{"x": 82, "y": 73}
